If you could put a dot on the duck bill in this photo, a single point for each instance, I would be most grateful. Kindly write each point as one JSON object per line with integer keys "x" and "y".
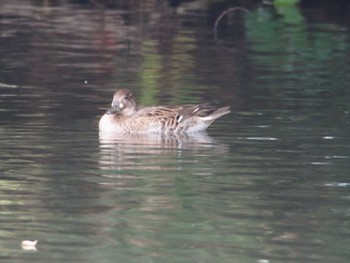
{"x": 113, "y": 110}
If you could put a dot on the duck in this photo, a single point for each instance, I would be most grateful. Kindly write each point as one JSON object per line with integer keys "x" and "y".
{"x": 125, "y": 116}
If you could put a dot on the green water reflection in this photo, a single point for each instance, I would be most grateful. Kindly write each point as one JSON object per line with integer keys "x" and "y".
{"x": 268, "y": 183}
{"x": 167, "y": 65}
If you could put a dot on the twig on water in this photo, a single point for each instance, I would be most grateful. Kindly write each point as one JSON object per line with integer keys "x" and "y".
{"x": 232, "y": 9}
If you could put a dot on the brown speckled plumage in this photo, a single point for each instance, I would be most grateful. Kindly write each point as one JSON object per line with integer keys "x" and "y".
{"x": 126, "y": 117}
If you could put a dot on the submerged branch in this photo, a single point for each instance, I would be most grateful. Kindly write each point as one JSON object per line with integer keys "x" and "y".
{"x": 232, "y": 9}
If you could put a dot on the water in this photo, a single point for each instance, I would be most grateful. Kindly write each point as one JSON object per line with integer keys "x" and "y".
{"x": 267, "y": 183}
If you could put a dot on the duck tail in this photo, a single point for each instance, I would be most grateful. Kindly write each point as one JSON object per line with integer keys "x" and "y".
{"x": 217, "y": 113}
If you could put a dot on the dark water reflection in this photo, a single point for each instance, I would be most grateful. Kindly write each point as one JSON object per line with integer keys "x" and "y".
{"x": 268, "y": 183}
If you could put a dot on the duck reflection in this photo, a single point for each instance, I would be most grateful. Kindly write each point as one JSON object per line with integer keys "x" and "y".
{"x": 157, "y": 152}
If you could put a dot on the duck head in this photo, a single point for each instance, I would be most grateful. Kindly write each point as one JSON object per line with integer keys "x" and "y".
{"x": 123, "y": 103}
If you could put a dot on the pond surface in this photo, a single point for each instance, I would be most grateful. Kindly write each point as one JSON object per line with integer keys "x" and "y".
{"x": 267, "y": 183}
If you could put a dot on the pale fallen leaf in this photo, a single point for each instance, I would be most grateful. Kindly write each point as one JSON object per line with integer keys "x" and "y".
{"x": 29, "y": 245}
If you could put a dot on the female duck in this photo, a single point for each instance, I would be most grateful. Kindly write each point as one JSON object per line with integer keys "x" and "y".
{"x": 125, "y": 117}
